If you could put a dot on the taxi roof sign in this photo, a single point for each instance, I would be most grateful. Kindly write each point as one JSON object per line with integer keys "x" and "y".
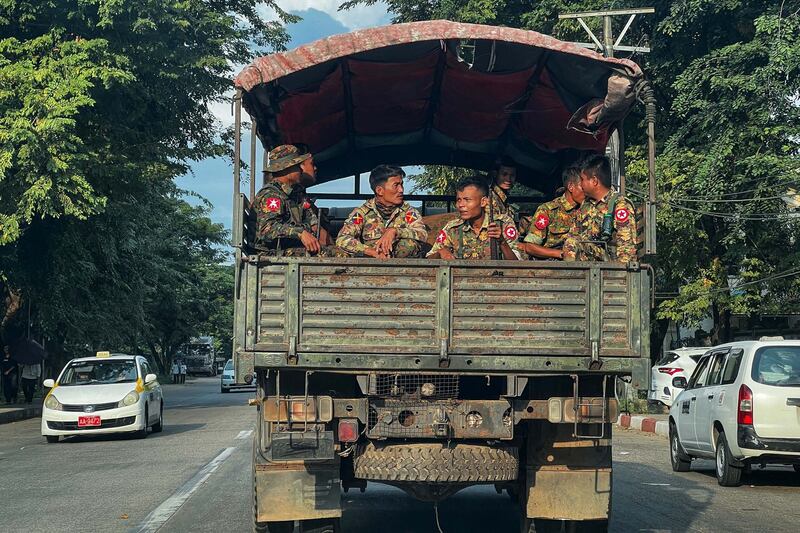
{"x": 103, "y": 354}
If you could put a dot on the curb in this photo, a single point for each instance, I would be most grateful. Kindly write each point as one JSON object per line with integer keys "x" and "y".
{"x": 645, "y": 424}
{"x": 15, "y": 415}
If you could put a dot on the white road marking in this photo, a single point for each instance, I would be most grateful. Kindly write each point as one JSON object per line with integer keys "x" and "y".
{"x": 657, "y": 484}
{"x": 244, "y": 434}
{"x": 170, "y": 506}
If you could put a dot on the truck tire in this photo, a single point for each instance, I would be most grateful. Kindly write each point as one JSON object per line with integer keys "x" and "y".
{"x": 436, "y": 462}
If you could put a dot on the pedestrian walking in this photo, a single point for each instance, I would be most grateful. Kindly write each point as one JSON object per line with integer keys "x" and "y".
{"x": 10, "y": 375}
{"x": 30, "y": 374}
{"x": 176, "y": 372}
{"x": 183, "y": 372}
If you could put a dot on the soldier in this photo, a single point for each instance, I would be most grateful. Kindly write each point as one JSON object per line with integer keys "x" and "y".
{"x": 553, "y": 220}
{"x": 468, "y": 237}
{"x": 504, "y": 176}
{"x": 384, "y": 226}
{"x": 285, "y": 219}
{"x": 605, "y": 217}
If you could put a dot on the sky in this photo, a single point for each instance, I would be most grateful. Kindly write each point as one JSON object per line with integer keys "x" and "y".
{"x": 213, "y": 178}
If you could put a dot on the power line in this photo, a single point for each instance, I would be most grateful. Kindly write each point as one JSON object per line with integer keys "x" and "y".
{"x": 759, "y": 216}
{"x": 778, "y": 275}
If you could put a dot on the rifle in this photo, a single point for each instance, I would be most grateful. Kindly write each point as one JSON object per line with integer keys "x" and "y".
{"x": 493, "y": 244}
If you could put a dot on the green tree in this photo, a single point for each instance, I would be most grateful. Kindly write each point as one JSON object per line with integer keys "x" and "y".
{"x": 102, "y": 104}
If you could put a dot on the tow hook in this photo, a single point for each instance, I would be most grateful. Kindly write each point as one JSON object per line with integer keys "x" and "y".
{"x": 441, "y": 424}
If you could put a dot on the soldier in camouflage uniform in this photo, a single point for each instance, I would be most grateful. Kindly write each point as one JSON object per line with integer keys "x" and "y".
{"x": 503, "y": 177}
{"x": 384, "y": 226}
{"x": 468, "y": 237}
{"x": 286, "y": 222}
{"x": 553, "y": 220}
{"x": 586, "y": 237}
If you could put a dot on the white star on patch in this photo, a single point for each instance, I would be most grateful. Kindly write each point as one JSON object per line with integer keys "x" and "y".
{"x": 273, "y": 204}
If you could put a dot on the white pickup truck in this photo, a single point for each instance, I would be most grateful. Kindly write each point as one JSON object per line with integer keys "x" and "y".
{"x": 741, "y": 407}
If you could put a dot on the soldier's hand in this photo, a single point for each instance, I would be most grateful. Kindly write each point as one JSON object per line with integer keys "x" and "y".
{"x": 310, "y": 242}
{"x": 372, "y": 252}
{"x": 493, "y": 230}
{"x": 446, "y": 254}
{"x": 386, "y": 242}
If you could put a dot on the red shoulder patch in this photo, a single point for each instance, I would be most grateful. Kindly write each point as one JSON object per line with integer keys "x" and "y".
{"x": 510, "y": 232}
{"x": 542, "y": 221}
{"x": 410, "y": 217}
{"x": 273, "y": 204}
{"x": 306, "y": 205}
{"x": 621, "y": 215}
{"x": 441, "y": 237}
{"x": 358, "y": 219}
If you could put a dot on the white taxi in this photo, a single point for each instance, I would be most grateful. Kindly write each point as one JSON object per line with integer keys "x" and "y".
{"x": 741, "y": 407}
{"x": 103, "y": 394}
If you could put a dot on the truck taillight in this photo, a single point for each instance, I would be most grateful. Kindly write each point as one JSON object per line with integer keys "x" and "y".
{"x": 669, "y": 370}
{"x": 745, "y": 411}
{"x": 348, "y": 430}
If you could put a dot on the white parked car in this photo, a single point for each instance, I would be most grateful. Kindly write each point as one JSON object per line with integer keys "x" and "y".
{"x": 741, "y": 407}
{"x": 103, "y": 394}
{"x": 228, "y": 380}
{"x": 675, "y": 363}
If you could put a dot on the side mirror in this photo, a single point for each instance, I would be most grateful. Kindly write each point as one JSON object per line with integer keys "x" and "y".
{"x": 679, "y": 382}
{"x": 149, "y": 378}
{"x": 49, "y": 383}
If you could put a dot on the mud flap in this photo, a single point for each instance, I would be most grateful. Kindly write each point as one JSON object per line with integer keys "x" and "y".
{"x": 567, "y": 478}
{"x": 297, "y": 491}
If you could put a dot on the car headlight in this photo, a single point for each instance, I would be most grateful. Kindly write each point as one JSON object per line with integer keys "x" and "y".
{"x": 131, "y": 398}
{"x": 52, "y": 403}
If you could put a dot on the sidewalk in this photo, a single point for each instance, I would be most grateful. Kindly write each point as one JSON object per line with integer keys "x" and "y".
{"x": 16, "y": 412}
{"x": 658, "y": 424}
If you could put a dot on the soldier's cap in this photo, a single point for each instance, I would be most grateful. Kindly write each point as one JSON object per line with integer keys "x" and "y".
{"x": 284, "y": 156}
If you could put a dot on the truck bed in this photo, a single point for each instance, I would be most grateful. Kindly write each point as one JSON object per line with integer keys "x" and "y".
{"x": 418, "y": 314}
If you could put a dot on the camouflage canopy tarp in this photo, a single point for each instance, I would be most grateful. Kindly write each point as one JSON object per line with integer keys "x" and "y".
{"x": 440, "y": 92}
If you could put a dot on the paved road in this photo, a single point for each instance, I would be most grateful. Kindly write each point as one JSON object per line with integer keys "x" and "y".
{"x": 195, "y": 476}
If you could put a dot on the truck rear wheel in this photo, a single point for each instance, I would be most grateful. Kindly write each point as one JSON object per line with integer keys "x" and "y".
{"x": 437, "y": 462}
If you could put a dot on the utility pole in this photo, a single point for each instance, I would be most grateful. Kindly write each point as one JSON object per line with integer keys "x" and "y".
{"x": 608, "y": 46}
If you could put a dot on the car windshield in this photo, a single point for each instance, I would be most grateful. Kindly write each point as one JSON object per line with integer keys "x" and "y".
{"x": 229, "y": 364}
{"x": 99, "y": 373}
{"x": 778, "y": 366}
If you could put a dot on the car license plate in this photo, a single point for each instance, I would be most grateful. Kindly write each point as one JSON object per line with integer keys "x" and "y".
{"x": 88, "y": 421}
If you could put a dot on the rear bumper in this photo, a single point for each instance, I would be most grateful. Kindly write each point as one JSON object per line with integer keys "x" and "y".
{"x": 752, "y": 445}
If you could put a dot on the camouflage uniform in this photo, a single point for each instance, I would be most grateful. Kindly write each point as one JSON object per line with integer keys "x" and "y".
{"x": 458, "y": 237}
{"x": 552, "y": 222}
{"x": 282, "y": 214}
{"x": 588, "y": 226}
{"x": 366, "y": 225}
{"x": 500, "y": 205}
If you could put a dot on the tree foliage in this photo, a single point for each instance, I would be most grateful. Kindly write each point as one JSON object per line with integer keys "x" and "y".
{"x": 727, "y": 81}
{"x": 102, "y": 104}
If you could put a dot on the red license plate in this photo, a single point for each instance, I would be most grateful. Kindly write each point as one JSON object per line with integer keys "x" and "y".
{"x": 88, "y": 421}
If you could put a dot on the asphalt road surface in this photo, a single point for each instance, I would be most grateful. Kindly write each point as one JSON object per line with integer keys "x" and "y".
{"x": 195, "y": 476}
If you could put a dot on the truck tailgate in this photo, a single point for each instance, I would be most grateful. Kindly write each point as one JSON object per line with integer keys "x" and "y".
{"x": 424, "y": 307}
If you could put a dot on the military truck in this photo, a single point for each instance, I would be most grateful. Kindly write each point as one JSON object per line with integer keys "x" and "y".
{"x": 435, "y": 375}
{"x": 198, "y": 354}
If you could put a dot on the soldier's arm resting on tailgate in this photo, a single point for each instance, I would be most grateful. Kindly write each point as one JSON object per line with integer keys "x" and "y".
{"x": 537, "y": 235}
{"x": 625, "y": 226}
{"x": 270, "y": 221}
{"x": 507, "y": 236}
{"x": 415, "y": 230}
{"x": 349, "y": 238}
{"x": 443, "y": 247}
